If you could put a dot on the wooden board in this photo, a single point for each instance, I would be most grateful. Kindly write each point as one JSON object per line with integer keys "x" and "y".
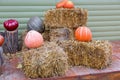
{"x": 76, "y": 73}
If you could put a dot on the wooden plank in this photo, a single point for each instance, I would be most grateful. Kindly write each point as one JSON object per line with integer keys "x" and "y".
{"x": 103, "y": 23}
{"x": 29, "y": 14}
{"x": 104, "y": 13}
{"x": 111, "y": 38}
{"x": 107, "y": 34}
{"x": 44, "y": 8}
{"x": 103, "y": 18}
{"x": 100, "y": 7}
{"x": 52, "y": 2}
{"x": 25, "y": 8}
{"x": 105, "y": 28}
{"x": 20, "y": 14}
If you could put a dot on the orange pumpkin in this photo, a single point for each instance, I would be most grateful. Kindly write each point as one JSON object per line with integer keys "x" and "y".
{"x": 69, "y": 4}
{"x": 61, "y": 3}
{"x": 83, "y": 34}
{"x": 1, "y": 40}
{"x": 33, "y": 39}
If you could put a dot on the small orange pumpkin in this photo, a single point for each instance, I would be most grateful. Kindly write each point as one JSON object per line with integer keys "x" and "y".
{"x": 69, "y": 4}
{"x": 33, "y": 39}
{"x": 1, "y": 40}
{"x": 61, "y": 3}
{"x": 83, "y": 34}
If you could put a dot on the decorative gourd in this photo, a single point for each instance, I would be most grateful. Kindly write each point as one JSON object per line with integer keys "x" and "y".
{"x": 35, "y": 23}
{"x": 83, "y": 34}
{"x": 33, "y": 39}
{"x": 1, "y": 40}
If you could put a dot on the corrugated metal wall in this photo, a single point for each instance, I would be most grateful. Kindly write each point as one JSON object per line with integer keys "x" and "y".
{"x": 103, "y": 19}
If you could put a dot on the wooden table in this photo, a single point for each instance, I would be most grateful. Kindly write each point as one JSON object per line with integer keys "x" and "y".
{"x": 76, "y": 73}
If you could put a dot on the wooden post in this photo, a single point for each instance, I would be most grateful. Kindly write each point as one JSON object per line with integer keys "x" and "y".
{"x": 11, "y": 42}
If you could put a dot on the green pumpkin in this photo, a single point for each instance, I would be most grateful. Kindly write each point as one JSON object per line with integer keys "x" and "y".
{"x": 35, "y": 23}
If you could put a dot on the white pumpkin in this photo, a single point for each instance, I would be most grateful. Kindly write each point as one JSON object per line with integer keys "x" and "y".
{"x": 33, "y": 39}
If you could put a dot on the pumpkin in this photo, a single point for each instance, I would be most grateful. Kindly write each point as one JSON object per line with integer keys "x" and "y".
{"x": 83, "y": 34}
{"x": 61, "y": 3}
{"x": 35, "y": 23}
{"x": 69, "y": 4}
{"x": 33, "y": 39}
{"x": 1, "y": 40}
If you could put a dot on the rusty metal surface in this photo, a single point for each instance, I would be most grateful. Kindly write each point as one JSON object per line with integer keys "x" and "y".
{"x": 10, "y": 72}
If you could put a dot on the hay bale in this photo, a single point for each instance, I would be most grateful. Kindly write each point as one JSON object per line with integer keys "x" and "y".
{"x": 61, "y": 34}
{"x": 21, "y": 41}
{"x": 46, "y": 61}
{"x": 46, "y": 36}
{"x": 95, "y": 54}
{"x": 63, "y": 17}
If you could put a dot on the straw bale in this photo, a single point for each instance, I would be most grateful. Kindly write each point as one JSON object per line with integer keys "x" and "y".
{"x": 61, "y": 34}
{"x": 46, "y": 36}
{"x": 94, "y": 54}
{"x": 63, "y": 17}
{"x": 21, "y": 41}
{"x": 47, "y": 61}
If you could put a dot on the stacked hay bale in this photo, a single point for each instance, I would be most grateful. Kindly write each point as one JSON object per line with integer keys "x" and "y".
{"x": 53, "y": 60}
{"x": 50, "y": 59}
{"x": 62, "y": 21}
{"x": 64, "y": 17}
{"x": 47, "y": 61}
{"x": 94, "y": 54}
